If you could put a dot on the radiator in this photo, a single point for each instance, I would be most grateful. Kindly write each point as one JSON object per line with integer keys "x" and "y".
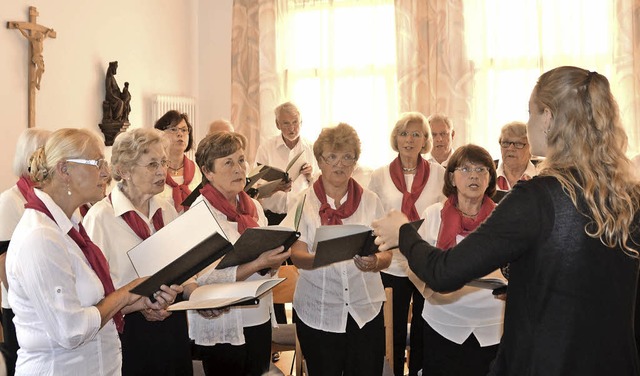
{"x": 187, "y": 105}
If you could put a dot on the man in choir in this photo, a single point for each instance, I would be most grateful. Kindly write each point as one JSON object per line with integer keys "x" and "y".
{"x": 277, "y": 152}
{"x": 220, "y": 125}
{"x": 443, "y": 133}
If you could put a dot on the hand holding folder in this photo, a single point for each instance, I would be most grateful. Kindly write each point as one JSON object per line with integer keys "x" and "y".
{"x": 343, "y": 242}
{"x": 223, "y": 295}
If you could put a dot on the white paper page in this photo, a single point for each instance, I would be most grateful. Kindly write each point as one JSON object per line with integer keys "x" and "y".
{"x": 174, "y": 240}
{"x": 234, "y": 290}
{"x": 293, "y": 169}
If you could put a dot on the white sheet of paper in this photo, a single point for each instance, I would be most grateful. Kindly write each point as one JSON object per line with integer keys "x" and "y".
{"x": 174, "y": 240}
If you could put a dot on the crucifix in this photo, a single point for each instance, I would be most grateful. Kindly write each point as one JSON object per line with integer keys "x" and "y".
{"x": 35, "y": 34}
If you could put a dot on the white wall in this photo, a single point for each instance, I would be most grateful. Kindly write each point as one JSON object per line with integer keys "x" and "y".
{"x": 157, "y": 45}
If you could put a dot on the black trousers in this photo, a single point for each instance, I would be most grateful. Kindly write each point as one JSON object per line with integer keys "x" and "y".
{"x": 445, "y": 358}
{"x": 10, "y": 346}
{"x": 253, "y": 358}
{"x": 156, "y": 347}
{"x": 403, "y": 291}
{"x": 358, "y": 352}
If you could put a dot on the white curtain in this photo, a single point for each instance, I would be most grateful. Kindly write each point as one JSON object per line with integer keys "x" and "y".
{"x": 337, "y": 62}
{"x": 365, "y": 61}
{"x": 510, "y": 43}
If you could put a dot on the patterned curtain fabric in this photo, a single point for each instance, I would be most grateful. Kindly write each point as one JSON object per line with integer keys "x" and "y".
{"x": 434, "y": 73}
{"x": 254, "y": 80}
{"x": 627, "y": 68}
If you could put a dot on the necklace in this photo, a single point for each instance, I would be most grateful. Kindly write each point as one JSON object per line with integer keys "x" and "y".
{"x": 405, "y": 169}
{"x": 175, "y": 171}
{"x": 467, "y": 214}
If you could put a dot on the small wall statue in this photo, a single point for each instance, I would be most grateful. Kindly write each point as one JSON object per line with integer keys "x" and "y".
{"x": 115, "y": 107}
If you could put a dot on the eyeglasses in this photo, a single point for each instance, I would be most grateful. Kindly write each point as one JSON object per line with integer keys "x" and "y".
{"x": 175, "y": 130}
{"x": 466, "y": 170}
{"x": 517, "y": 145}
{"x": 97, "y": 163}
{"x": 441, "y": 134}
{"x": 412, "y": 134}
{"x": 155, "y": 165}
{"x": 332, "y": 160}
{"x": 293, "y": 124}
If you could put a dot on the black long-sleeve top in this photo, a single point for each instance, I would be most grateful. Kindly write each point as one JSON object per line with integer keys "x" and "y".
{"x": 570, "y": 303}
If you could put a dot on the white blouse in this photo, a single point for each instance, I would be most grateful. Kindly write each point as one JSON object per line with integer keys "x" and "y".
{"x": 325, "y": 296}
{"x": 53, "y": 293}
{"x": 167, "y": 194}
{"x": 274, "y": 152}
{"x": 391, "y": 197}
{"x": 530, "y": 172}
{"x": 228, "y": 327}
{"x": 11, "y": 209}
{"x": 112, "y": 234}
{"x": 458, "y": 314}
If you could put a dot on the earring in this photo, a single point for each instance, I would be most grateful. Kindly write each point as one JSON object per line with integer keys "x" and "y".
{"x": 68, "y": 190}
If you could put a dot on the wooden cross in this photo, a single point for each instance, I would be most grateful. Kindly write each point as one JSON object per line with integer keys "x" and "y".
{"x": 36, "y": 35}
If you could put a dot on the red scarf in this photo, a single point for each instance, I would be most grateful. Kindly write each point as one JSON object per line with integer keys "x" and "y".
{"x": 25, "y": 185}
{"x": 453, "y": 223}
{"x": 94, "y": 255}
{"x": 180, "y": 192}
{"x": 84, "y": 209}
{"x": 419, "y": 181}
{"x": 246, "y": 214}
{"x": 329, "y": 216}
{"x": 138, "y": 225}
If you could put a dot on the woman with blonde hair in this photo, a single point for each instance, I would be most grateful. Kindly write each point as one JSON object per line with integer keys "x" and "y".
{"x": 338, "y": 306}
{"x": 66, "y": 307}
{"x": 570, "y": 235}
{"x": 409, "y": 183}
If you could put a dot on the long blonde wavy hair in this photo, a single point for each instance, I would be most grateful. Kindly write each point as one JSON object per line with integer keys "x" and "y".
{"x": 586, "y": 152}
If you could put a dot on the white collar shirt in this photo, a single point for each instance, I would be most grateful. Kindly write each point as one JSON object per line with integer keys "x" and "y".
{"x": 109, "y": 231}
{"x": 53, "y": 294}
{"x": 228, "y": 327}
{"x": 382, "y": 184}
{"x": 324, "y": 297}
{"x": 469, "y": 310}
{"x": 530, "y": 172}
{"x": 274, "y": 152}
{"x": 429, "y": 157}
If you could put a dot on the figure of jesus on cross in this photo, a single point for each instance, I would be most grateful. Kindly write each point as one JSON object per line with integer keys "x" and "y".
{"x": 36, "y": 38}
{"x": 36, "y": 34}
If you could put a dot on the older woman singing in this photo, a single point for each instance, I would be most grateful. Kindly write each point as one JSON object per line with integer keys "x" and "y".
{"x": 153, "y": 342}
{"x": 339, "y": 306}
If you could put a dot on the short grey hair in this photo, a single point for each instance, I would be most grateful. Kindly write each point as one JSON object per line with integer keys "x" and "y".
{"x": 130, "y": 146}
{"x": 515, "y": 129}
{"x": 286, "y": 107}
{"x": 442, "y": 118}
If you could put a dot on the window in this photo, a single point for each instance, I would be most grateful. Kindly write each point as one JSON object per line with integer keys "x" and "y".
{"x": 521, "y": 40}
{"x": 337, "y": 60}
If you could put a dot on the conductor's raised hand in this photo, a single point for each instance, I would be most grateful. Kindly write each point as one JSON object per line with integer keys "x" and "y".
{"x": 387, "y": 229}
